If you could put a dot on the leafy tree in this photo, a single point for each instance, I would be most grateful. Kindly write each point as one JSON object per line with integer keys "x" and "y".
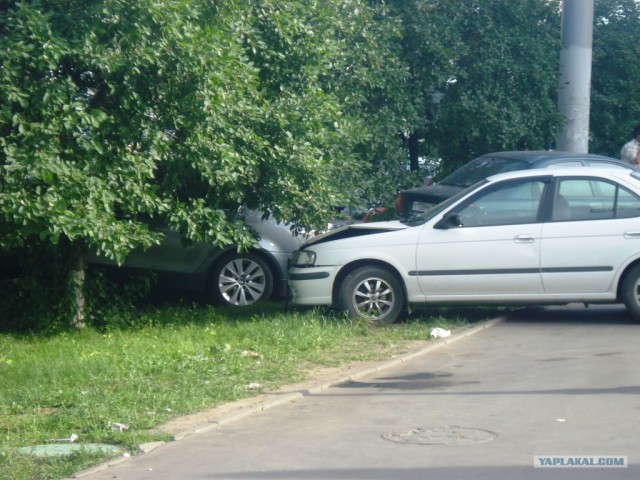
{"x": 342, "y": 53}
{"x": 615, "y": 91}
{"x": 485, "y": 74}
{"x": 310, "y": 160}
{"x": 117, "y": 114}
{"x": 374, "y": 82}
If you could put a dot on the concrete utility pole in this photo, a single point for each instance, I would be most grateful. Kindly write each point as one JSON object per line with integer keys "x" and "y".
{"x": 575, "y": 75}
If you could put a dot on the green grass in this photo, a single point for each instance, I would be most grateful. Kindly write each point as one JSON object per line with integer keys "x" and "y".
{"x": 176, "y": 360}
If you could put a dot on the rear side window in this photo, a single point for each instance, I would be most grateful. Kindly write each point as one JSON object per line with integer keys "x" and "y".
{"x": 593, "y": 199}
{"x": 628, "y": 204}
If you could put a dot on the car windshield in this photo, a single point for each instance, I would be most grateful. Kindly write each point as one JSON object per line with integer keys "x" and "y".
{"x": 481, "y": 168}
{"x": 437, "y": 209}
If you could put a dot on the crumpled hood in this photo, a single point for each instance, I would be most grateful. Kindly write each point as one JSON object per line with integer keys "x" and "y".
{"x": 356, "y": 230}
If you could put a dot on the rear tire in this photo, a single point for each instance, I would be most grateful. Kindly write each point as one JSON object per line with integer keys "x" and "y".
{"x": 372, "y": 293}
{"x": 240, "y": 279}
{"x": 630, "y": 292}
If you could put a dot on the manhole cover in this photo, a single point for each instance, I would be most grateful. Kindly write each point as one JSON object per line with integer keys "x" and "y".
{"x": 447, "y": 435}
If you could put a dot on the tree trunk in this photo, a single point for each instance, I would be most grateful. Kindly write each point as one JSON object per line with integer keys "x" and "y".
{"x": 77, "y": 275}
{"x": 414, "y": 152}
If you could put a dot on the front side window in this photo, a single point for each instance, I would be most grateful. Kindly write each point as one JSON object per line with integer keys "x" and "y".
{"x": 507, "y": 204}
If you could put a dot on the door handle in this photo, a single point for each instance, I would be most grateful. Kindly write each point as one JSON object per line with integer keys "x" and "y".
{"x": 632, "y": 234}
{"x": 524, "y": 239}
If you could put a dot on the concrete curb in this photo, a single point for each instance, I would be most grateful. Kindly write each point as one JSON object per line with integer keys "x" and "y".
{"x": 409, "y": 356}
{"x": 296, "y": 395}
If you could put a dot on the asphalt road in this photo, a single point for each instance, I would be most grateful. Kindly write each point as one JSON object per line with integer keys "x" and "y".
{"x": 550, "y": 384}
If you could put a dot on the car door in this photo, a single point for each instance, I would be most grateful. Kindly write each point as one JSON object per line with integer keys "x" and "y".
{"x": 171, "y": 255}
{"x": 593, "y": 230}
{"x": 492, "y": 252}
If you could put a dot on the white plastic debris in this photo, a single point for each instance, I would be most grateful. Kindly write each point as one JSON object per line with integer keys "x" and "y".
{"x": 120, "y": 427}
{"x": 440, "y": 333}
{"x": 72, "y": 438}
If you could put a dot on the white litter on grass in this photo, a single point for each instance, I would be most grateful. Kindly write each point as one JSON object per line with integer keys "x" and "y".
{"x": 120, "y": 427}
{"x": 440, "y": 333}
{"x": 72, "y": 438}
{"x": 249, "y": 353}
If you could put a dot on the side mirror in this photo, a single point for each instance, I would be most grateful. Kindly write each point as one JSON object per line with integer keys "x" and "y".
{"x": 450, "y": 220}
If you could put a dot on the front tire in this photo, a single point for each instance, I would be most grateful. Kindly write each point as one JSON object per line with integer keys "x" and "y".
{"x": 631, "y": 292}
{"x": 240, "y": 279}
{"x": 372, "y": 293}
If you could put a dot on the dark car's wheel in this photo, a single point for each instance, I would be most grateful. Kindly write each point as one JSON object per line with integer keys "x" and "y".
{"x": 240, "y": 279}
{"x": 631, "y": 291}
{"x": 374, "y": 293}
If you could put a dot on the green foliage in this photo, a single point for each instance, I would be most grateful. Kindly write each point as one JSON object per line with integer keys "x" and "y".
{"x": 485, "y": 73}
{"x": 173, "y": 112}
{"x": 153, "y": 109}
{"x": 331, "y": 76}
{"x": 34, "y": 294}
{"x": 615, "y": 91}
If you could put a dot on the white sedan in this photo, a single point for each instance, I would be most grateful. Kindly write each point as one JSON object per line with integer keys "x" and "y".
{"x": 527, "y": 237}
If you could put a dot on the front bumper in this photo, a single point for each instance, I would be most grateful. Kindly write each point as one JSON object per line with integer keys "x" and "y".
{"x": 312, "y": 286}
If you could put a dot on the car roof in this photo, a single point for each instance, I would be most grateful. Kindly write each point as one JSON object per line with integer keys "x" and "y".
{"x": 535, "y": 159}
{"x": 563, "y": 172}
{"x": 543, "y": 156}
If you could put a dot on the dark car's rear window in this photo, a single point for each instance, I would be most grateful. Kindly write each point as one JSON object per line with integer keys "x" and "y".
{"x": 481, "y": 168}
